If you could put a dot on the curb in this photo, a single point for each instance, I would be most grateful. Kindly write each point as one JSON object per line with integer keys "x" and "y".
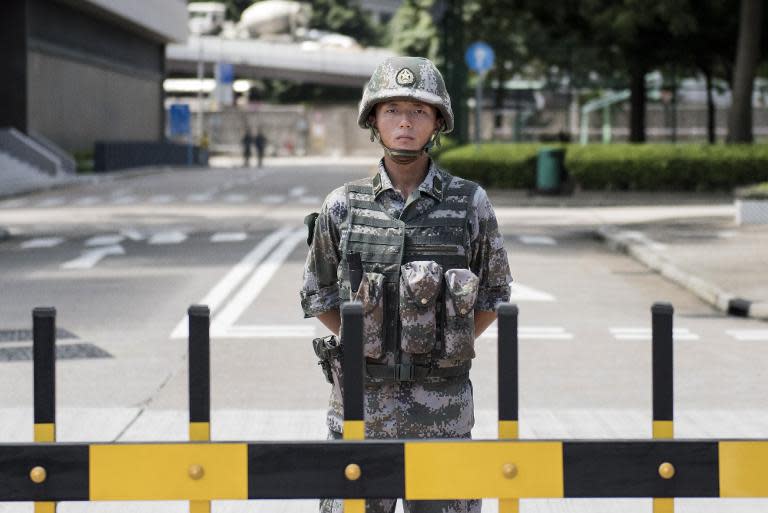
{"x": 639, "y": 248}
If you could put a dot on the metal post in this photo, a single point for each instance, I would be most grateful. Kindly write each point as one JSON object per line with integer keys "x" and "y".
{"x": 478, "y": 106}
{"x": 508, "y": 384}
{"x": 200, "y": 75}
{"x": 199, "y": 385}
{"x": 352, "y": 391}
{"x": 44, "y": 379}
{"x": 607, "y": 124}
{"x": 663, "y": 384}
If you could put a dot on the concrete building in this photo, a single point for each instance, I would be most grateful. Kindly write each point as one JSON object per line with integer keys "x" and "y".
{"x": 77, "y": 71}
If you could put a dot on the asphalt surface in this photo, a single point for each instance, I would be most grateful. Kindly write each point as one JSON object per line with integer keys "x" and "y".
{"x": 121, "y": 260}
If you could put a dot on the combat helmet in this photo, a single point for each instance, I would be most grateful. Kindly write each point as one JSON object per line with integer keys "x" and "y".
{"x": 406, "y": 77}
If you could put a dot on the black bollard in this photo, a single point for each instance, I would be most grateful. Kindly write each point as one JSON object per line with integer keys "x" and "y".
{"x": 44, "y": 379}
{"x": 663, "y": 411}
{"x": 508, "y": 370}
{"x": 354, "y": 419}
{"x": 199, "y": 373}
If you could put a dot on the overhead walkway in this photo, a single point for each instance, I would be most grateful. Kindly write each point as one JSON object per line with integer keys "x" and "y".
{"x": 301, "y": 62}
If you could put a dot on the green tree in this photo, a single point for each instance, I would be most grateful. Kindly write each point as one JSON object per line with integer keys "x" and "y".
{"x": 345, "y": 17}
{"x": 413, "y": 30}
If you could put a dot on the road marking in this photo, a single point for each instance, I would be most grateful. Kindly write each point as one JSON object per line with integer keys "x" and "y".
{"x": 124, "y": 200}
{"x": 310, "y": 200}
{"x": 87, "y": 201}
{"x": 161, "y": 199}
{"x": 531, "y": 332}
{"x": 218, "y": 294}
{"x": 169, "y": 237}
{"x": 14, "y": 203}
{"x": 47, "y": 242}
{"x": 132, "y": 234}
{"x": 271, "y": 331}
{"x": 52, "y": 202}
{"x": 200, "y": 197}
{"x": 104, "y": 240}
{"x": 92, "y": 257}
{"x": 645, "y": 334}
{"x": 523, "y": 293}
{"x": 248, "y": 293}
{"x": 642, "y": 238}
{"x": 749, "y": 335}
{"x": 273, "y": 199}
{"x": 297, "y": 191}
{"x": 235, "y": 198}
{"x": 229, "y": 237}
{"x": 537, "y": 240}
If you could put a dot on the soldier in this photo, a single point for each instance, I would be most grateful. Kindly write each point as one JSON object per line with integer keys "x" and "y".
{"x": 433, "y": 270}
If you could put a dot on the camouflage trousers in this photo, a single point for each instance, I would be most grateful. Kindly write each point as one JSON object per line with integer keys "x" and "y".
{"x": 437, "y": 409}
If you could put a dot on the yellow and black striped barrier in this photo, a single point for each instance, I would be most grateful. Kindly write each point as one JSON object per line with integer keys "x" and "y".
{"x": 355, "y": 469}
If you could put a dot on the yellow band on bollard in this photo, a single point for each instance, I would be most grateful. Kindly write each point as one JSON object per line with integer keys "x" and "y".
{"x": 663, "y": 429}
{"x": 45, "y": 507}
{"x": 354, "y": 430}
{"x": 45, "y": 432}
{"x": 509, "y": 505}
{"x": 508, "y": 430}
{"x": 199, "y": 507}
{"x": 666, "y": 505}
{"x": 199, "y": 431}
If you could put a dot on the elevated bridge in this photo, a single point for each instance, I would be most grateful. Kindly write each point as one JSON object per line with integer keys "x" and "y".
{"x": 257, "y": 59}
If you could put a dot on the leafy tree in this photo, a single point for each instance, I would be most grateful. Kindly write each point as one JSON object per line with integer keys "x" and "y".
{"x": 413, "y": 31}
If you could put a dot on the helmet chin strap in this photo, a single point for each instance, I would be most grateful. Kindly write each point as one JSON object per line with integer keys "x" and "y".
{"x": 403, "y": 157}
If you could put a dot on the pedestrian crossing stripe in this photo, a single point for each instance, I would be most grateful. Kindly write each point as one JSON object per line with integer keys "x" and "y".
{"x": 631, "y": 333}
{"x": 749, "y": 335}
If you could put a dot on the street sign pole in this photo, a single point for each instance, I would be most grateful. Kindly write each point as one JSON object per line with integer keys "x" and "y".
{"x": 479, "y": 58}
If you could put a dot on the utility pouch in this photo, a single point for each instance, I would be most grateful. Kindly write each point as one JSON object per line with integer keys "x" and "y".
{"x": 371, "y": 295}
{"x": 328, "y": 351}
{"x": 420, "y": 284}
{"x": 459, "y": 331}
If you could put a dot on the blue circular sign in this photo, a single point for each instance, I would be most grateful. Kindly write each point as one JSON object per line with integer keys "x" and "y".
{"x": 479, "y": 57}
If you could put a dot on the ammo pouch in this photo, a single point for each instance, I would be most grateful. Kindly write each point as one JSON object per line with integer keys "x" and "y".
{"x": 371, "y": 295}
{"x": 461, "y": 287}
{"x": 420, "y": 284}
{"x": 328, "y": 350}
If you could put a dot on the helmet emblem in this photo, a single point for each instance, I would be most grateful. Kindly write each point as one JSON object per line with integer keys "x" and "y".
{"x": 404, "y": 77}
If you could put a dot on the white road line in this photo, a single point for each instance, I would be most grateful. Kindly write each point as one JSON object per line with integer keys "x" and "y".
{"x": 87, "y": 201}
{"x": 229, "y": 237}
{"x": 537, "y": 240}
{"x": 235, "y": 198}
{"x": 52, "y": 202}
{"x": 92, "y": 257}
{"x": 222, "y": 322}
{"x": 124, "y": 200}
{"x": 200, "y": 197}
{"x": 161, "y": 199}
{"x": 645, "y": 334}
{"x": 218, "y": 294}
{"x": 169, "y": 237}
{"x": 104, "y": 240}
{"x": 132, "y": 234}
{"x": 272, "y": 199}
{"x": 642, "y": 238}
{"x": 270, "y": 331}
{"x": 310, "y": 200}
{"x": 47, "y": 242}
{"x": 749, "y": 335}
{"x": 531, "y": 332}
{"x": 297, "y": 191}
{"x": 523, "y": 293}
{"x": 14, "y": 203}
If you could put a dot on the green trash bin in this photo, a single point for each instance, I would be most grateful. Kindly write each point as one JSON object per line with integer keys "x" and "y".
{"x": 550, "y": 170}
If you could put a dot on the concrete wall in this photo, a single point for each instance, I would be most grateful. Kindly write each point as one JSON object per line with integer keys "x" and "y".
{"x": 74, "y": 103}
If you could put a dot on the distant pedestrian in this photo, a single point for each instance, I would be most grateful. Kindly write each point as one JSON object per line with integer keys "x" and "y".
{"x": 247, "y": 142}
{"x": 260, "y": 141}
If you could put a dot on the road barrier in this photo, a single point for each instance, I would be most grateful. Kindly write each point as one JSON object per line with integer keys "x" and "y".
{"x": 355, "y": 469}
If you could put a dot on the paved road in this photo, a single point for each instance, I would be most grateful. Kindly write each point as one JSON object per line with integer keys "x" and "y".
{"x": 122, "y": 260}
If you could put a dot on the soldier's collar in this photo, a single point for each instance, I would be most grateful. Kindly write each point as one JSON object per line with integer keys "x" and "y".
{"x": 431, "y": 185}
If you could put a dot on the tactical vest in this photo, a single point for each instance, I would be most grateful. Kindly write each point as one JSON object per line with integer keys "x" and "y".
{"x": 422, "y": 244}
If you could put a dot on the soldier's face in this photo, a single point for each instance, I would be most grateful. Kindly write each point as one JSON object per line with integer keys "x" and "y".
{"x": 405, "y": 125}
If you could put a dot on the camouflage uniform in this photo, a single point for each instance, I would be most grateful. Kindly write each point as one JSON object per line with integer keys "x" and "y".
{"x": 429, "y": 261}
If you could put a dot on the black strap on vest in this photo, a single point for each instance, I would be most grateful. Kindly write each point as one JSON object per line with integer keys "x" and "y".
{"x": 414, "y": 371}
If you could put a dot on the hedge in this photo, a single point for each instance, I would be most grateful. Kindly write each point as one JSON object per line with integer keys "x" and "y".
{"x": 646, "y": 167}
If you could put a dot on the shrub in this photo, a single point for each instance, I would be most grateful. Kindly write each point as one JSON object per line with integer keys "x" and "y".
{"x": 648, "y": 167}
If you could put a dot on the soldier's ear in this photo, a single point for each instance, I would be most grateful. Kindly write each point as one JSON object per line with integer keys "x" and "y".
{"x": 372, "y": 120}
